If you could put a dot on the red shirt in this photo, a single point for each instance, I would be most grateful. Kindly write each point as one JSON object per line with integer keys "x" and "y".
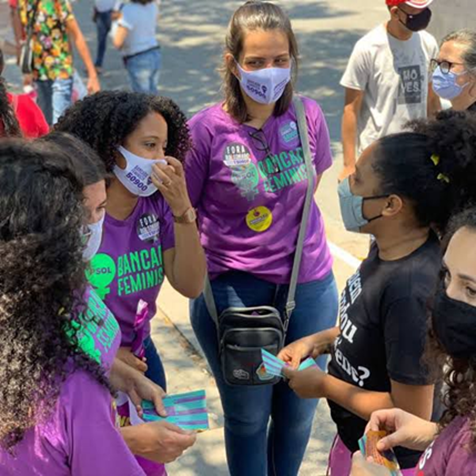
{"x": 30, "y": 117}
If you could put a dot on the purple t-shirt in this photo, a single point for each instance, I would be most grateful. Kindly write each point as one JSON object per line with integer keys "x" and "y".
{"x": 450, "y": 454}
{"x": 129, "y": 265}
{"x": 80, "y": 437}
{"x": 249, "y": 187}
{"x": 99, "y": 335}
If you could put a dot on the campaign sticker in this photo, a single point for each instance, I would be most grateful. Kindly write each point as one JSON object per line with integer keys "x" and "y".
{"x": 148, "y": 227}
{"x": 289, "y": 132}
{"x": 236, "y": 155}
{"x": 259, "y": 219}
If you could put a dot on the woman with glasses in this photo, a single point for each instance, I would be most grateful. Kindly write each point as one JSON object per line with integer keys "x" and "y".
{"x": 454, "y": 72}
{"x": 247, "y": 177}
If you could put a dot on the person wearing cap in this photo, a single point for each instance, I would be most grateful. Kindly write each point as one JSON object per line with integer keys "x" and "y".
{"x": 387, "y": 80}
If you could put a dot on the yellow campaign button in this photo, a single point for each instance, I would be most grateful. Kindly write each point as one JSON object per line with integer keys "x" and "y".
{"x": 259, "y": 219}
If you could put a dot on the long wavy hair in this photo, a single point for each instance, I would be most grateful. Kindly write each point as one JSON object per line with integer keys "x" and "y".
{"x": 42, "y": 279}
{"x": 459, "y": 375}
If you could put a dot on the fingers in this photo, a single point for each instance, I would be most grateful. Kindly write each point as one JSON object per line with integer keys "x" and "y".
{"x": 183, "y": 438}
{"x": 289, "y": 374}
{"x": 158, "y": 403}
{"x": 164, "y": 174}
{"x": 176, "y": 164}
{"x": 296, "y": 360}
{"x": 140, "y": 365}
{"x": 382, "y": 420}
{"x": 385, "y": 444}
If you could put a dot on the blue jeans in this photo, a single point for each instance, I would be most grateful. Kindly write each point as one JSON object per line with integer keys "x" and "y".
{"x": 144, "y": 71}
{"x": 54, "y": 97}
{"x": 155, "y": 369}
{"x": 252, "y": 449}
{"x": 103, "y": 26}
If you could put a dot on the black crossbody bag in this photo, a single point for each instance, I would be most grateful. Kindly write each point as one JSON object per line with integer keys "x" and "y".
{"x": 243, "y": 332}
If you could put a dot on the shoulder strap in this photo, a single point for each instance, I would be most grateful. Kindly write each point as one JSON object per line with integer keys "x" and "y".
{"x": 304, "y": 136}
{"x": 290, "y": 303}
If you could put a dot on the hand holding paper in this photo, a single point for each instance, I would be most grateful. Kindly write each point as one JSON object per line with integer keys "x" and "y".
{"x": 274, "y": 366}
{"x": 387, "y": 459}
{"x": 188, "y": 411}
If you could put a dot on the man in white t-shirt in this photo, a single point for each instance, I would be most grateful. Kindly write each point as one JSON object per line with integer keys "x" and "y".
{"x": 387, "y": 81}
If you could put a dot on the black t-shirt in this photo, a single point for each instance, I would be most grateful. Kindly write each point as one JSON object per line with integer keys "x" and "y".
{"x": 383, "y": 314}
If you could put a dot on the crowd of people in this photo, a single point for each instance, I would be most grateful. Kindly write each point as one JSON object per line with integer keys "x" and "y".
{"x": 104, "y": 199}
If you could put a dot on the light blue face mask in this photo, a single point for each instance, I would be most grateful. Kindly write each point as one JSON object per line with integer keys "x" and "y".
{"x": 351, "y": 207}
{"x": 445, "y": 85}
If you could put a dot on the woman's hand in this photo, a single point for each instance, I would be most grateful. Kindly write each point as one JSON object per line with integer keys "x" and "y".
{"x": 158, "y": 441}
{"x": 170, "y": 180}
{"x": 141, "y": 388}
{"x": 405, "y": 429}
{"x": 137, "y": 386}
{"x": 362, "y": 467}
{"x": 293, "y": 354}
{"x": 309, "y": 383}
{"x": 310, "y": 346}
{"x": 125, "y": 354}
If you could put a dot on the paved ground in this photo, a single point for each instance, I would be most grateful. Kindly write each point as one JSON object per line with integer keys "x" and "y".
{"x": 191, "y": 33}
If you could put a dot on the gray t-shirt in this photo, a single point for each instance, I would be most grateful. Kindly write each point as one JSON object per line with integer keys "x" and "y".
{"x": 394, "y": 75}
{"x": 141, "y": 21}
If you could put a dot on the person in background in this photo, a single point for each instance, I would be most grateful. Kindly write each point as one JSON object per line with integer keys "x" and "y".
{"x": 454, "y": 70}
{"x": 19, "y": 114}
{"x": 449, "y": 447}
{"x": 387, "y": 81}
{"x": 56, "y": 408}
{"x": 102, "y": 16}
{"x": 54, "y": 30}
{"x": 247, "y": 177}
{"x": 135, "y": 36}
{"x": 405, "y": 186}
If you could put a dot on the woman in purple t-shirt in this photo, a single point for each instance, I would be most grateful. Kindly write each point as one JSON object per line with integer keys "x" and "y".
{"x": 100, "y": 335}
{"x": 246, "y": 176}
{"x": 450, "y": 446}
{"x": 149, "y": 227}
{"x": 57, "y": 415}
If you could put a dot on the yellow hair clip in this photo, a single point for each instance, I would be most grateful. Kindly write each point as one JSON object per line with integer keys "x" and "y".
{"x": 443, "y": 178}
{"x": 435, "y": 159}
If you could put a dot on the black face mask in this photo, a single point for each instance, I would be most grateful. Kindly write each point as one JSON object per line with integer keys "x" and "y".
{"x": 417, "y": 22}
{"x": 454, "y": 323}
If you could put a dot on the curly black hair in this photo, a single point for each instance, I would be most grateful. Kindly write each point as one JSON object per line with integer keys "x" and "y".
{"x": 458, "y": 374}
{"x": 84, "y": 159}
{"x": 9, "y": 126}
{"x": 105, "y": 119}
{"x": 433, "y": 166}
{"x": 43, "y": 275}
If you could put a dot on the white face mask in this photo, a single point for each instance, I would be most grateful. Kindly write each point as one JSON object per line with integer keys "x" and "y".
{"x": 136, "y": 176}
{"x": 94, "y": 237}
{"x": 266, "y": 85}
